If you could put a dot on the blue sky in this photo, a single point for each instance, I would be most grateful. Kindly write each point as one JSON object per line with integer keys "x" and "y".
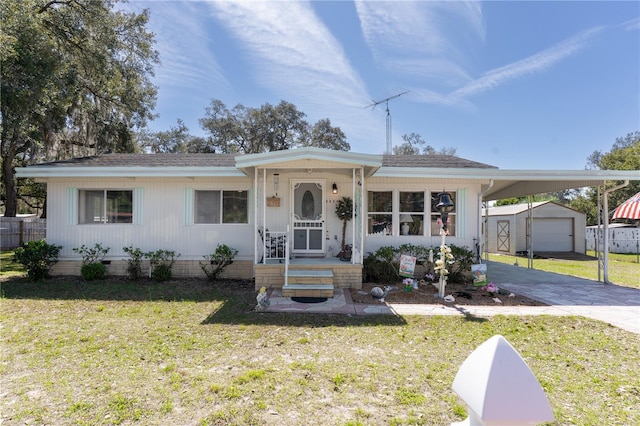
{"x": 519, "y": 85}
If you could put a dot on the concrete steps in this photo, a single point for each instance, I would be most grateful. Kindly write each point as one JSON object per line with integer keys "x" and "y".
{"x": 308, "y": 283}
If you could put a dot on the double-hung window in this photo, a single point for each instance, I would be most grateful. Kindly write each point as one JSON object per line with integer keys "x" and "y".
{"x": 411, "y": 213}
{"x": 221, "y": 207}
{"x": 105, "y": 206}
{"x": 380, "y": 213}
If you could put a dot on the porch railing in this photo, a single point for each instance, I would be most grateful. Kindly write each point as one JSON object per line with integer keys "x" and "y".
{"x": 275, "y": 246}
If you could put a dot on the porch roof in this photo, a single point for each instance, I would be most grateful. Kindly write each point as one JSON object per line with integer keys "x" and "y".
{"x": 293, "y": 157}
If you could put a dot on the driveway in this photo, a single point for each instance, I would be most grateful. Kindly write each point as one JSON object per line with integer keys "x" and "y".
{"x": 616, "y": 305}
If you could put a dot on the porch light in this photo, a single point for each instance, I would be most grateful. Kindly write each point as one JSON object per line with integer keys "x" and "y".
{"x": 334, "y": 188}
{"x": 276, "y": 182}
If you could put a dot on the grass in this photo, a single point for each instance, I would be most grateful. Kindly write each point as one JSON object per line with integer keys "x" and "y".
{"x": 188, "y": 352}
{"x": 624, "y": 269}
{"x": 9, "y": 268}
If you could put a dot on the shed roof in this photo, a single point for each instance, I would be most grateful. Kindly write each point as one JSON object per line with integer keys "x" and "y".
{"x": 514, "y": 209}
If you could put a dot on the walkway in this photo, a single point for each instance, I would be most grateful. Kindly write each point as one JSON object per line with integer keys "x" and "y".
{"x": 565, "y": 295}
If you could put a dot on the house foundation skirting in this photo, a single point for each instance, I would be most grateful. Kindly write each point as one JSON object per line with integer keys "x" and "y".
{"x": 239, "y": 269}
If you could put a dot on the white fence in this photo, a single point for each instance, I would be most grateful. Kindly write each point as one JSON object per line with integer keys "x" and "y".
{"x": 621, "y": 239}
{"x": 14, "y": 230}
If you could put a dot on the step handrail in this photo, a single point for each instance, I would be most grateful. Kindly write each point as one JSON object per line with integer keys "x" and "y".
{"x": 286, "y": 258}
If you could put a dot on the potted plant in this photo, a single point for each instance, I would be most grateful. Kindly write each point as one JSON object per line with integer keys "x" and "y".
{"x": 344, "y": 211}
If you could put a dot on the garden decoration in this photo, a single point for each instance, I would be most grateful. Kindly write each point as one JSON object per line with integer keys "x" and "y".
{"x": 377, "y": 292}
{"x": 262, "y": 299}
{"x": 444, "y": 207}
{"x": 409, "y": 284}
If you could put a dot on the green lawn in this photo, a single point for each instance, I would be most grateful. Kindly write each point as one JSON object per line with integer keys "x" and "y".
{"x": 189, "y": 352}
{"x": 624, "y": 269}
{"x": 9, "y": 268}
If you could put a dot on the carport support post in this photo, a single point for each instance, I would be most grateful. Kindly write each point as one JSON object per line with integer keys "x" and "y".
{"x": 605, "y": 211}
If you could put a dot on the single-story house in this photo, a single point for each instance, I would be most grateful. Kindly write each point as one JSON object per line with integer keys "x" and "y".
{"x": 190, "y": 203}
{"x": 551, "y": 226}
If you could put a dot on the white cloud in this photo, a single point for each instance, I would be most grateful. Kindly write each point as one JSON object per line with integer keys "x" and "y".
{"x": 535, "y": 63}
{"x": 296, "y": 56}
{"x": 426, "y": 39}
{"x": 183, "y": 43}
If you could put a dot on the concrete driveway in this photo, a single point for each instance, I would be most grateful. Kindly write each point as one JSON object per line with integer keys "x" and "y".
{"x": 616, "y": 305}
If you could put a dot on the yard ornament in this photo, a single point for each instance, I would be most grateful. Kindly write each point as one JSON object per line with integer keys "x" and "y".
{"x": 262, "y": 299}
{"x": 499, "y": 388}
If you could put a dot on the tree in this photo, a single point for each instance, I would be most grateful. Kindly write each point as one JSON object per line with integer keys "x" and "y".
{"x": 175, "y": 140}
{"x": 624, "y": 155}
{"x": 75, "y": 81}
{"x": 414, "y": 144}
{"x": 268, "y": 128}
{"x": 323, "y": 135}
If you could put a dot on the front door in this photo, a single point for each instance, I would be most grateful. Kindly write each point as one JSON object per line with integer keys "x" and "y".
{"x": 307, "y": 217}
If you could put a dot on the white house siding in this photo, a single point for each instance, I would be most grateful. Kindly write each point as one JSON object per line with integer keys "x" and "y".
{"x": 466, "y": 212}
{"x": 162, "y": 224}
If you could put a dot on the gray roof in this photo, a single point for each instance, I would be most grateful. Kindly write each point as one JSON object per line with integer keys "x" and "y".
{"x": 147, "y": 160}
{"x": 433, "y": 161}
{"x": 229, "y": 160}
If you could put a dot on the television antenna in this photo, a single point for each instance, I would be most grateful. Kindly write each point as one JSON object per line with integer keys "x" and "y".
{"x": 386, "y": 102}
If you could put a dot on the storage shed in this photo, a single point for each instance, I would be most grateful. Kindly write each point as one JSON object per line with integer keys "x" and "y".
{"x": 555, "y": 228}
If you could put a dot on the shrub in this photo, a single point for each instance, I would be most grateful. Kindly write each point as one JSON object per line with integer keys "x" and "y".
{"x": 161, "y": 264}
{"x": 383, "y": 265}
{"x": 92, "y": 267}
{"x": 134, "y": 263}
{"x": 93, "y": 271}
{"x": 463, "y": 259}
{"x": 215, "y": 263}
{"x": 38, "y": 257}
{"x": 92, "y": 255}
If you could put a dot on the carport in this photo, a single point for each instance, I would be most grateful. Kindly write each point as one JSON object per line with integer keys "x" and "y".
{"x": 527, "y": 183}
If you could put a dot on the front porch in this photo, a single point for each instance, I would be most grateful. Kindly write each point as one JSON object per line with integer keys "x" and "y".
{"x": 319, "y": 274}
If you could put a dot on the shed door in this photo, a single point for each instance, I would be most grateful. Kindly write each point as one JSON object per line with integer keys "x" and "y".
{"x": 504, "y": 236}
{"x": 553, "y": 234}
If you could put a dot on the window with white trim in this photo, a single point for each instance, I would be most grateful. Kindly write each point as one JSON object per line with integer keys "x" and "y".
{"x": 411, "y": 213}
{"x": 435, "y": 215}
{"x": 105, "y": 206}
{"x": 380, "y": 212}
{"x": 221, "y": 207}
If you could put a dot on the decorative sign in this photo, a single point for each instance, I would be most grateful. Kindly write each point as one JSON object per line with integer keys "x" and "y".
{"x": 479, "y": 273}
{"x": 407, "y": 265}
{"x": 273, "y": 202}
